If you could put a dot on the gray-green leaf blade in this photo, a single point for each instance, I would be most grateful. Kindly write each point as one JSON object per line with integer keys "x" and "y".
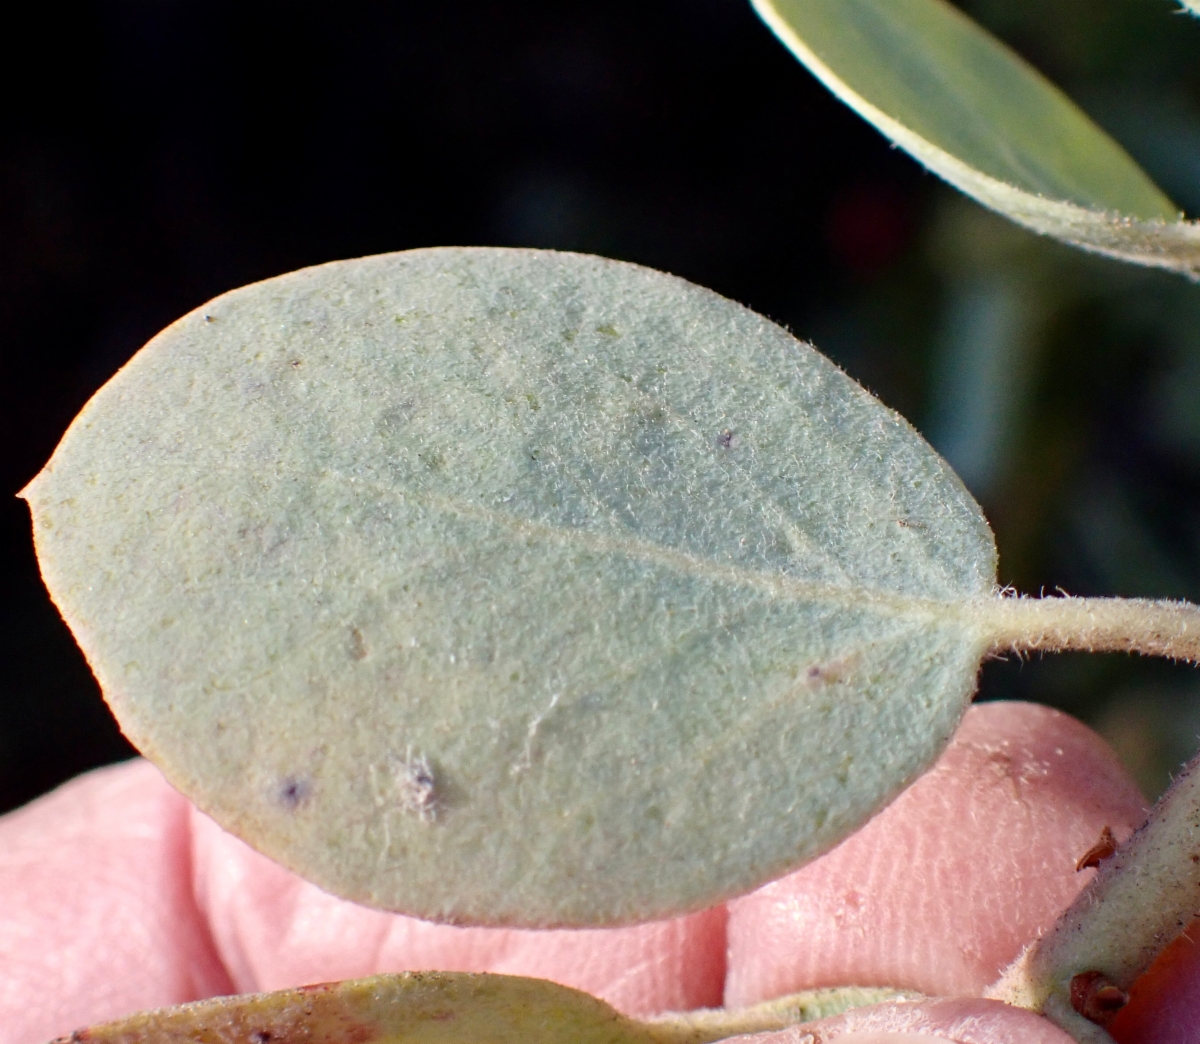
{"x": 514, "y": 587}
{"x": 979, "y": 116}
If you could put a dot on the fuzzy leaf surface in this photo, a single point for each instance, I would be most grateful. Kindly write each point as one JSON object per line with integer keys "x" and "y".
{"x": 514, "y": 587}
{"x": 979, "y": 116}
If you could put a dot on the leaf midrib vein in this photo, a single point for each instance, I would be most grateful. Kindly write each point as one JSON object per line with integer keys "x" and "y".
{"x": 779, "y": 587}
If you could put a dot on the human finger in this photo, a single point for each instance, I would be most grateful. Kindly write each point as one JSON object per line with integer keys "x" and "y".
{"x": 945, "y": 886}
{"x": 97, "y": 917}
{"x": 269, "y": 929}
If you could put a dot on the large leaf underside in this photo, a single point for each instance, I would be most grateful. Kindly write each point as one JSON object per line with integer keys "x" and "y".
{"x": 514, "y": 587}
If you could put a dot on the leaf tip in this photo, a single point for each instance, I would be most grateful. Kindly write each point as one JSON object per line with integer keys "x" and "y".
{"x": 27, "y": 492}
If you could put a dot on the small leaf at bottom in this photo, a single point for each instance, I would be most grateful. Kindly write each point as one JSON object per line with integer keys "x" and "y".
{"x": 410, "y": 1008}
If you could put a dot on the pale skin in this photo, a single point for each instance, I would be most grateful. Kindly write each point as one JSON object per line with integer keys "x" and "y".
{"x": 116, "y": 895}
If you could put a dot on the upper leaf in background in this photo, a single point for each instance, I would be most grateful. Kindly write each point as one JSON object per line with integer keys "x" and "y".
{"x": 1192, "y": 5}
{"x": 978, "y": 115}
{"x": 514, "y": 587}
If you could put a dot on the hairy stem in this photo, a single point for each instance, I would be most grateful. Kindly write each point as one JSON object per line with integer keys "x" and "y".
{"x": 1154, "y": 628}
{"x": 1145, "y": 895}
{"x": 1148, "y": 891}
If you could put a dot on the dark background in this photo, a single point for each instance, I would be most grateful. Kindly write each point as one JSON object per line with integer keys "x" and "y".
{"x": 154, "y": 153}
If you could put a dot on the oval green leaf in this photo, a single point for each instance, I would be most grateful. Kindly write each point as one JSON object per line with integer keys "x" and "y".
{"x": 979, "y": 116}
{"x": 514, "y": 587}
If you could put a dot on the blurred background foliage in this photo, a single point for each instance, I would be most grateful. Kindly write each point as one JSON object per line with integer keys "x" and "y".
{"x": 154, "y": 153}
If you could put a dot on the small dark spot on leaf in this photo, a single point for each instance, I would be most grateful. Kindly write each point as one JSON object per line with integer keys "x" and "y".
{"x": 260, "y": 1036}
{"x": 293, "y": 792}
{"x": 358, "y": 644}
{"x": 297, "y": 363}
{"x": 727, "y": 439}
{"x": 831, "y": 672}
{"x": 416, "y": 787}
{"x": 209, "y": 319}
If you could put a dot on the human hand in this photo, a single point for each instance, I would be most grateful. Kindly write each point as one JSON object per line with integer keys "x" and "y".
{"x": 118, "y": 896}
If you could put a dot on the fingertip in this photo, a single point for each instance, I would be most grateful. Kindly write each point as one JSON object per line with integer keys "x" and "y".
{"x": 97, "y": 918}
{"x": 944, "y": 887}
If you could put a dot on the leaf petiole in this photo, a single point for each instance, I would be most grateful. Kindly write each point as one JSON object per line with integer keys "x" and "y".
{"x": 1069, "y": 624}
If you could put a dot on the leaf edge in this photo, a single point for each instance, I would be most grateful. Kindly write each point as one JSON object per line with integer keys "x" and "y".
{"x": 1170, "y": 245}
